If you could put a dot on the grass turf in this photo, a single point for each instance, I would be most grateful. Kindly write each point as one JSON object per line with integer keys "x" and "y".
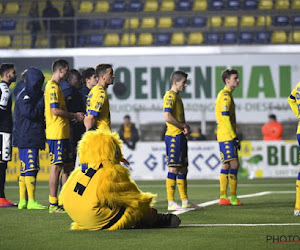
{"x": 37, "y": 229}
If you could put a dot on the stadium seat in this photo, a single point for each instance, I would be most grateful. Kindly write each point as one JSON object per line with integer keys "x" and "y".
{"x": 118, "y": 6}
{"x": 102, "y": 6}
{"x": 200, "y": 5}
{"x": 198, "y": 22}
{"x": 216, "y": 5}
{"x": 263, "y": 37}
{"x": 81, "y": 41}
{"x": 282, "y": 4}
{"x": 212, "y": 38}
{"x": 1, "y": 8}
{"x": 230, "y": 21}
{"x": 167, "y": 5}
{"x": 8, "y": 24}
{"x": 112, "y": 39}
{"x": 263, "y": 21}
{"x": 183, "y": 5}
{"x": 150, "y": 6}
{"x": 178, "y": 38}
{"x": 229, "y": 38}
{"x": 296, "y": 5}
{"x": 128, "y": 39}
{"x": 279, "y": 37}
{"x": 148, "y": 23}
{"x": 294, "y": 36}
{"x": 247, "y": 21}
{"x": 250, "y": 5}
{"x": 83, "y": 24}
{"x": 233, "y": 4}
{"x": 265, "y": 4}
{"x": 5, "y": 41}
{"x": 246, "y": 37}
{"x": 162, "y": 39}
{"x": 96, "y": 40}
{"x": 215, "y": 21}
{"x": 116, "y": 23}
{"x": 145, "y": 39}
{"x": 195, "y": 38}
{"x": 85, "y": 7}
{"x": 296, "y": 20}
{"x": 132, "y": 23}
{"x": 281, "y": 21}
{"x": 99, "y": 24}
{"x": 135, "y": 6}
{"x": 165, "y": 22}
{"x": 11, "y": 8}
{"x": 181, "y": 22}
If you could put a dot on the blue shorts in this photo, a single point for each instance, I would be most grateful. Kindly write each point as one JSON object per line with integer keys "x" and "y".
{"x": 29, "y": 158}
{"x": 227, "y": 151}
{"x": 60, "y": 151}
{"x": 176, "y": 150}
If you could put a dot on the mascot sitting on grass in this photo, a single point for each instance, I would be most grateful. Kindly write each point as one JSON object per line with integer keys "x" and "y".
{"x": 100, "y": 195}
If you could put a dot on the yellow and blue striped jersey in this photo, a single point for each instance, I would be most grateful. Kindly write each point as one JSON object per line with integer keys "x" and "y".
{"x": 173, "y": 104}
{"x": 225, "y": 116}
{"x": 57, "y": 127}
{"x": 97, "y": 104}
{"x": 294, "y": 101}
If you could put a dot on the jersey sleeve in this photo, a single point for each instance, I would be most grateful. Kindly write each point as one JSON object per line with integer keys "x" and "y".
{"x": 169, "y": 103}
{"x": 53, "y": 93}
{"x": 225, "y": 107}
{"x": 292, "y": 101}
{"x": 96, "y": 103}
{"x": 4, "y": 96}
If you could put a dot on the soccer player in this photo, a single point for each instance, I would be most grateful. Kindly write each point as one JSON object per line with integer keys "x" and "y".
{"x": 97, "y": 105}
{"x": 176, "y": 142}
{"x": 29, "y": 135}
{"x": 8, "y": 75}
{"x": 101, "y": 195}
{"x": 90, "y": 80}
{"x": 58, "y": 131}
{"x": 226, "y": 136}
{"x": 294, "y": 101}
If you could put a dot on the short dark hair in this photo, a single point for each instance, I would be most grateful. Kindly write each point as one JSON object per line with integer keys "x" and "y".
{"x": 177, "y": 76}
{"x": 127, "y": 117}
{"x": 272, "y": 116}
{"x": 227, "y": 73}
{"x": 74, "y": 72}
{"x": 59, "y": 63}
{"x": 101, "y": 68}
{"x": 88, "y": 73}
{"x": 5, "y": 67}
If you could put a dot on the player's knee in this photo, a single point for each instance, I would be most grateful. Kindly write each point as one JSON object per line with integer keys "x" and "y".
{"x": 225, "y": 166}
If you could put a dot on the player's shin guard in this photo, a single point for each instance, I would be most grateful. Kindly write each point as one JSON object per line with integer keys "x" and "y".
{"x": 30, "y": 180}
{"x": 3, "y": 166}
{"x": 223, "y": 182}
{"x": 297, "y": 205}
{"x": 22, "y": 187}
{"x": 53, "y": 201}
{"x": 233, "y": 181}
{"x": 182, "y": 186}
{"x": 171, "y": 186}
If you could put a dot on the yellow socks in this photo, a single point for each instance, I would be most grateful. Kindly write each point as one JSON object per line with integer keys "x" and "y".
{"x": 22, "y": 187}
{"x": 182, "y": 186}
{"x": 297, "y": 205}
{"x": 30, "y": 186}
{"x": 223, "y": 182}
{"x": 171, "y": 186}
{"x": 53, "y": 201}
{"x": 233, "y": 181}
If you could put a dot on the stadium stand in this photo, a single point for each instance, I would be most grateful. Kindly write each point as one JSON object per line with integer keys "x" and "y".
{"x": 132, "y": 23}
{"x": 279, "y": 37}
{"x": 112, "y": 39}
{"x": 167, "y": 5}
{"x": 200, "y": 5}
{"x": 148, "y": 23}
{"x": 102, "y": 7}
{"x": 296, "y": 4}
{"x": 151, "y": 6}
{"x": 135, "y": 6}
{"x": 247, "y": 21}
{"x": 231, "y": 21}
{"x": 5, "y": 41}
{"x": 165, "y": 22}
{"x": 178, "y": 38}
{"x": 11, "y": 8}
{"x": 86, "y": 7}
{"x": 195, "y": 38}
{"x": 145, "y": 39}
{"x": 282, "y": 4}
{"x": 162, "y": 39}
{"x": 265, "y": 4}
{"x": 128, "y": 39}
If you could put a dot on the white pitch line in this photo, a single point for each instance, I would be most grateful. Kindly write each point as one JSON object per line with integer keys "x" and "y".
{"x": 240, "y": 225}
{"x": 209, "y": 203}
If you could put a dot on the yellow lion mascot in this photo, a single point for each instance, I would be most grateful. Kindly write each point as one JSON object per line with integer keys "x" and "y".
{"x": 101, "y": 195}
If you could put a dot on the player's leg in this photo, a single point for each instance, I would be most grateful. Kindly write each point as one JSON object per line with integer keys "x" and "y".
{"x": 22, "y": 185}
{"x": 297, "y": 204}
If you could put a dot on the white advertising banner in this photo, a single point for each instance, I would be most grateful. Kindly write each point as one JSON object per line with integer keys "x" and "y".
{"x": 258, "y": 159}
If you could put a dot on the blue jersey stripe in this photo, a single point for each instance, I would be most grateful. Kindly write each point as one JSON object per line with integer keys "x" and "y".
{"x": 54, "y": 105}
{"x": 225, "y": 113}
{"x": 169, "y": 110}
{"x": 292, "y": 97}
{"x": 94, "y": 113}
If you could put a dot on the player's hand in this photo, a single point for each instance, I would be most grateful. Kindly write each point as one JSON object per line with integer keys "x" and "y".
{"x": 237, "y": 143}
{"x": 79, "y": 116}
{"x": 125, "y": 161}
{"x": 186, "y": 129}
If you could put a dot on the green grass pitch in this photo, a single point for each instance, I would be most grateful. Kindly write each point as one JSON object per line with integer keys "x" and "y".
{"x": 37, "y": 229}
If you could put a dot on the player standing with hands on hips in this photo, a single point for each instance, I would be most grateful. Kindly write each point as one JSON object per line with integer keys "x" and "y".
{"x": 226, "y": 136}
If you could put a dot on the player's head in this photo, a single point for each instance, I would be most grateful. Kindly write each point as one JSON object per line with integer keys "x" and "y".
{"x": 126, "y": 119}
{"x": 178, "y": 80}
{"x": 105, "y": 74}
{"x": 8, "y": 72}
{"x": 272, "y": 118}
{"x": 89, "y": 77}
{"x": 74, "y": 78}
{"x": 230, "y": 77}
{"x": 60, "y": 67}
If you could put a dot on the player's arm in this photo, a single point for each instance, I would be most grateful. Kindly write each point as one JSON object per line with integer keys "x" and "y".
{"x": 172, "y": 120}
{"x": 89, "y": 122}
{"x": 292, "y": 102}
{"x": 31, "y": 110}
{"x": 4, "y": 97}
{"x": 62, "y": 113}
{"x": 225, "y": 107}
